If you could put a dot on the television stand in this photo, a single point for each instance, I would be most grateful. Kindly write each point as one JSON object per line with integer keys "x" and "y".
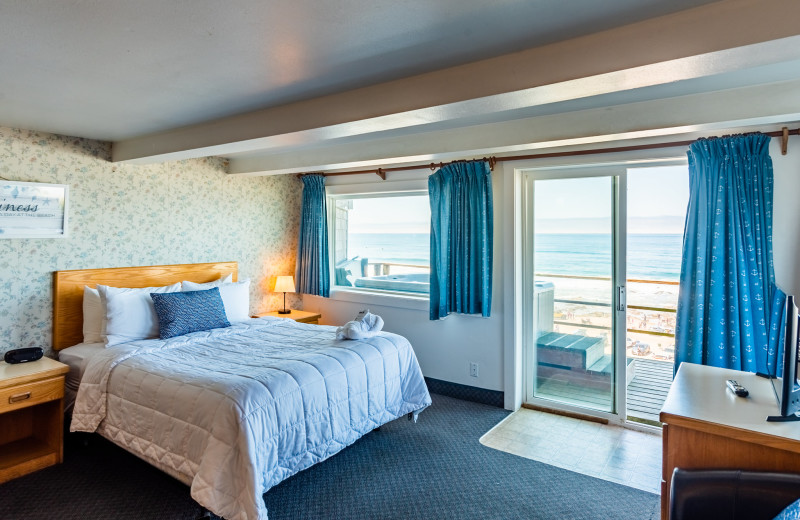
{"x": 783, "y": 418}
{"x": 707, "y": 427}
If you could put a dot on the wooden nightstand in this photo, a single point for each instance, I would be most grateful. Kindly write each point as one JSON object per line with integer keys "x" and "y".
{"x": 31, "y": 416}
{"x": 301, "y": 316}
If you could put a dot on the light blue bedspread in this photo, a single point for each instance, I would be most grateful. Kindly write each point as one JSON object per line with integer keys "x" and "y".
{"x": 234, "y": 411}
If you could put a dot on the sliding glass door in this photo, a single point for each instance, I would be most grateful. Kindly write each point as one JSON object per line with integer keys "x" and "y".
{"x": 657, "y": 200}
{"x": 574, "y": 275}
{"x": 600, "y": 250}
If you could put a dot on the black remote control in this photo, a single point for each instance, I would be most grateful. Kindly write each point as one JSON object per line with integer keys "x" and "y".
{"x": 736, "y": 388}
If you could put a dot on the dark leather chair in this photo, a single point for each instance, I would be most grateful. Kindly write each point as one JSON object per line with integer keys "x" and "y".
{"x": 730, "y": 494}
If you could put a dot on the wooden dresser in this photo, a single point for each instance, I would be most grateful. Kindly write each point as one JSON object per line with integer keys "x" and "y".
{"x": 31, "y": 416}
{"x": 706, "y": 426}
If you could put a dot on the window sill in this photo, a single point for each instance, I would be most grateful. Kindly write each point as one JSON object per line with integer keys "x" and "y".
{"x": 386, "y": 299}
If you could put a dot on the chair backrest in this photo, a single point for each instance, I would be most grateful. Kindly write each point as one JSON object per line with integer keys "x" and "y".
{"x": 730, "y": 494}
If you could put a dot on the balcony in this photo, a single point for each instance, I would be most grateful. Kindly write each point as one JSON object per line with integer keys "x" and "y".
{"x": 381, "y": 275}
{"x": 574, "y": 352}
{"x": 648, "y": 389}
{"x": 383, "y": 268}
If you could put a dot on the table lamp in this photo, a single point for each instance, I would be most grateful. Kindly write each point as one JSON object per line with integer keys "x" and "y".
{"x": 284, "y": 284}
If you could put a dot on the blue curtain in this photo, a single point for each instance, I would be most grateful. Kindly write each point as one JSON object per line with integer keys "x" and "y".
{"x": 461, "y": 239}
{"x": 729, "y": 309}
{"x": 312, "y": 275}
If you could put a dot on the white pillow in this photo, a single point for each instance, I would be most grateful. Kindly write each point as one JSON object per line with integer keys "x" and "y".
{"x": 94, "y": 316}
{"x": 228, "y": 278}
{"x": 235, "y": 297}
{"x": 130, "y": 314}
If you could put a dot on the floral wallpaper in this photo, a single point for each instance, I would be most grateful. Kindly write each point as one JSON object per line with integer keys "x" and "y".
{"x": 125, "y": 215}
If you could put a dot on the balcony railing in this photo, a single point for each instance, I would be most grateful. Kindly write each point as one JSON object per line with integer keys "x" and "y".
{"x": 650, "y": 320}
{"x": 381, "y": 268}
{"x": 665, "y": 327}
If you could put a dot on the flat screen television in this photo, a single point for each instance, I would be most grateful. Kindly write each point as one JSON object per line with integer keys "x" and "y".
{"x": 787, "y": 390}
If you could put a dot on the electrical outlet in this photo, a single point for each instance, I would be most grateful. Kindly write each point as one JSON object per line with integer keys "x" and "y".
{"x": 473, "y": 369}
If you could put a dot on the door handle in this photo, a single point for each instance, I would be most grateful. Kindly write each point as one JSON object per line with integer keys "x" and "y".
{"x": 621, "y": 298}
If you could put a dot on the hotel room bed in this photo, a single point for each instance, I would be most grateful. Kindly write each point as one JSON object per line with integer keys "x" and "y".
{"x": 233, "y": 411}
{"x": 76, "y": 358}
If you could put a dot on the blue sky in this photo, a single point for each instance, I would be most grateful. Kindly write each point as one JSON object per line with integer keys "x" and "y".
{"x": 657, "y": 199}
{"x": 407, "y": 214}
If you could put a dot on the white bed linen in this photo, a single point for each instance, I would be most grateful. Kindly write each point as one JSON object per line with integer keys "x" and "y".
{"x": 234, "y": 411}
{"x": 76, "y": 358}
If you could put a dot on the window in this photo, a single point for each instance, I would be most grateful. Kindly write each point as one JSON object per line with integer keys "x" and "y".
{"x": 381, "y": 242}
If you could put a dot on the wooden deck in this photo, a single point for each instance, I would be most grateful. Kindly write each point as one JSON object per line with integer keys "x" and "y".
{"x": 571, "y": 393}
{"x": 646, "y": 391}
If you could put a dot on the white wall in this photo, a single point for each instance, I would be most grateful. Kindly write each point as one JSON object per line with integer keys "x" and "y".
{"x": 786, "y": 215}
{"x": 444, "y": 348}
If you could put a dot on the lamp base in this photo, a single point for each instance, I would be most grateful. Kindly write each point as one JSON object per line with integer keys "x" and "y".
{"x": 284, "y": 310}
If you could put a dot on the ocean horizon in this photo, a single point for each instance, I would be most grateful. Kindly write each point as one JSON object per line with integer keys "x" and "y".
{"x": 650, "y": 256}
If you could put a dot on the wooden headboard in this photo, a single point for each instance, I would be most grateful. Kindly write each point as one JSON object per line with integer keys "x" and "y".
{"x": 68, "y": 290}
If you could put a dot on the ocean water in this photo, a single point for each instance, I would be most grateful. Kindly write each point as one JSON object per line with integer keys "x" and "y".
{"x": 401, "y": 248}
{"x": 650, "y": 257}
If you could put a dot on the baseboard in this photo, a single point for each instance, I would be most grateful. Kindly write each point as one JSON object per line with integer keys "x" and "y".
{"x": 465, "y": 392}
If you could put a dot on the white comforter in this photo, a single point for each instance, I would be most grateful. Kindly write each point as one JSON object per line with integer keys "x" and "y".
{"x": 232, "y": 412}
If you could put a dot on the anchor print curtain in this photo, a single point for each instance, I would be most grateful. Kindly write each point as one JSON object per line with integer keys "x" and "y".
{"x": 312, "y": 274}
{"x": 729, "y": 310}
{"x": 461, "y": 239}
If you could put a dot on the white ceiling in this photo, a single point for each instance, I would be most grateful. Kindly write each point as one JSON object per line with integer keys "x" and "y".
{"x": 300, "y": 85}
{"x": 116, "y": 69}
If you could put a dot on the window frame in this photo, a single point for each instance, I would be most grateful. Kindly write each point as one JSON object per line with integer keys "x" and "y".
{"x": 362, "y": 191}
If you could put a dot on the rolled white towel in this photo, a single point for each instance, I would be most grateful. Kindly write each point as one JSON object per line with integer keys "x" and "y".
{"x": 365, "y": 325}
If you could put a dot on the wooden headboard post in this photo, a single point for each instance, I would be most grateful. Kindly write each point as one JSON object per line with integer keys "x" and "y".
{"x": 68, "y": 290}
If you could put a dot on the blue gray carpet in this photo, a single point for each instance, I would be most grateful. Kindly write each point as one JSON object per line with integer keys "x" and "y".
{"x": 435, "y": 469}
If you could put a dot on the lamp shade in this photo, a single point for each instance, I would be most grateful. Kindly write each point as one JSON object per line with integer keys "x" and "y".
{"x": 284, "y": 284}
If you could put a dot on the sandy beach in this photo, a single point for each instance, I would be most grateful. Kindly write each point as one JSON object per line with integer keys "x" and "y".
{"x": 572, "y": 315}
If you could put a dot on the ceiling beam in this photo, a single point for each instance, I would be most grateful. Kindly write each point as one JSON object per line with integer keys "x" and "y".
{"x": 654, "y": 119}
{"x": 700, "y": 42}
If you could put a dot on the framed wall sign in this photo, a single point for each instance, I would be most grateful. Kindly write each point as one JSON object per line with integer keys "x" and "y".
{"x": 33, "y": 210}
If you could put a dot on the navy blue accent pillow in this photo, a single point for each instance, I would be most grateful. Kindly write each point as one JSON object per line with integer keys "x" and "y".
{"x": 180, "y": 313}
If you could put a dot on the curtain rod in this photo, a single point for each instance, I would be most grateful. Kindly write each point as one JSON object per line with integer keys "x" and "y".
{"x": 784, "y": 134}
